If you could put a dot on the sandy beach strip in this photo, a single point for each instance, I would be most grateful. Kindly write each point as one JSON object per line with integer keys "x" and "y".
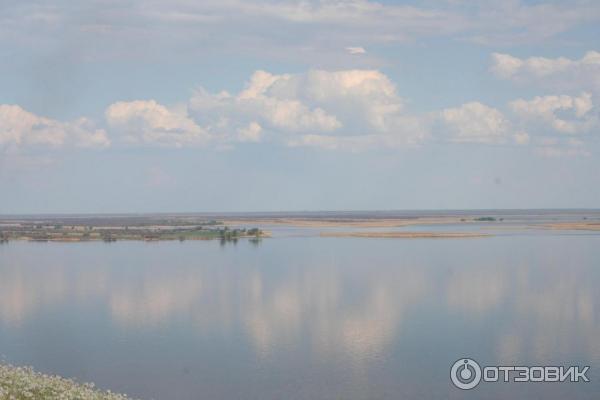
{"x": 406, "y": 235}
{"x": 576, "y": 226}
{"x": 345, "y": 222}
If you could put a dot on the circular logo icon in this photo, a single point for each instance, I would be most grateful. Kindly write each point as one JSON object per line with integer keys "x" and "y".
{"x": 465, "y": 373}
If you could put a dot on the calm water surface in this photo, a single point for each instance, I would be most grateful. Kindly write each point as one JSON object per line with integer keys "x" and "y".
{"x": 304, "y": 317}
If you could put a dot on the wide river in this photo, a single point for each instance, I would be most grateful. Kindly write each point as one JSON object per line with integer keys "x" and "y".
{"x": 304, "y": 317}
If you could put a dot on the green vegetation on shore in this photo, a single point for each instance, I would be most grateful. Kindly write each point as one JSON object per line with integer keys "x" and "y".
{"x": 485, "y": 219}
{"x": 123, "y": 229}
{"x": 17, "y": 383}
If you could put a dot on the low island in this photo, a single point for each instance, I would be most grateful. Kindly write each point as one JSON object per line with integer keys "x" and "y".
{"x": 112, "y": 229}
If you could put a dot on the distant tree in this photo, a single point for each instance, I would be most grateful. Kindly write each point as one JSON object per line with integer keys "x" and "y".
{"x": 108, "y": 238}
{"x": 485, "y": 219}
{"x": 254, "y": 232}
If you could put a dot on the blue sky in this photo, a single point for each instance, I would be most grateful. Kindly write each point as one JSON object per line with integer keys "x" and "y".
{"x": 182, "y": 106}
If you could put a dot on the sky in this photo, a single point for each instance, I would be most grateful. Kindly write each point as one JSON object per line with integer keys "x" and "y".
{"x": 113, "y": 106}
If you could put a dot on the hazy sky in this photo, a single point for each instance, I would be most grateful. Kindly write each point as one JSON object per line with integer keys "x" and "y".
{"x": 253, "y": 105}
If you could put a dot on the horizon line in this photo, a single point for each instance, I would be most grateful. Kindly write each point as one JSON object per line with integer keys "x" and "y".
{"x": 284, "y": 212}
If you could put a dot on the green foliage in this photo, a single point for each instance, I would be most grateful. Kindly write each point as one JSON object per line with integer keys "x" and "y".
{"x": 148, "y": 232}
{"x": 485, "y": 219}
{"x": 24, "y": 384}
{"x": 254, "y": 232}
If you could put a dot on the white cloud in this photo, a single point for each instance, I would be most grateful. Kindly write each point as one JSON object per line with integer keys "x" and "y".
{"x": 317, "y": 107}
{"x": 258, "y": 103}
{"x": 259, "y": 83}
{"x": 338, "y": 110}
{"x": 368, "y": 97}
{"x": 356, "y": 50}
{"x": 571, "y": 113}
{"x": 20, "y": 128}
{"x": 505, "y": 65}
{"x": 341, "y": 110}
{"x": 291, "y": 115}
{"x": 537, "y": 122}
{"x": 148, "y": 122}
{"x": 477, "y": 123}
{"x": 562, "y": 73}
{"x": 563, "y": 114}
{"x": 151, "y": 28}
{"x": 275, "y": 98}
{"x": 251, "y": 133}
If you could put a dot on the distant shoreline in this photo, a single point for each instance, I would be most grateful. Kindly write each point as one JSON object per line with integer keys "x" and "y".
{"x": 407, "y": 235}
{"x": 172, "y": 228}
{"x": 370, "y": 214}
{"x": 111, "y": 230}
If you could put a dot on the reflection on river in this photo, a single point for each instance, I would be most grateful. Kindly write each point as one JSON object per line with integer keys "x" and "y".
{"x": 303, "y": 318}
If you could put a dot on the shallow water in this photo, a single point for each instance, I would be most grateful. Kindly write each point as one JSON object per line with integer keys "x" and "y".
{"x": 304, "y": 317}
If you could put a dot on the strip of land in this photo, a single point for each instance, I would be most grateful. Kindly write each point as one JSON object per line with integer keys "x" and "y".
{"x": 406, "y": 235}
{"x": 230, "y": 228}
{"x": 576, "y": 226}
{"x": 347, "y": 222}
{"x": 126, "y": 228}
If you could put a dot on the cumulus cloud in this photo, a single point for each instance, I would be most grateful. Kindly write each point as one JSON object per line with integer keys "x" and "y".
{"x": 270, "y": 97}
{"x": 477, "y": 123}
{"x": 539, "y": 122}
{"x": 570, "y": 113}
{"x": 337, "y": 110}
{"x": 367, "y": 95}
{"x": 342, "y": 110}
{"x": 256, "y": 103}
{"x": 148, "y": 122}
{"x": 330, "y": 109}
{"x": 317, "y": 108}
{"x": 251, "y": 133}
{"x": 20, "y": 128}
{"x": 562, "y": 73}
{"x": 563, "y": 114}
